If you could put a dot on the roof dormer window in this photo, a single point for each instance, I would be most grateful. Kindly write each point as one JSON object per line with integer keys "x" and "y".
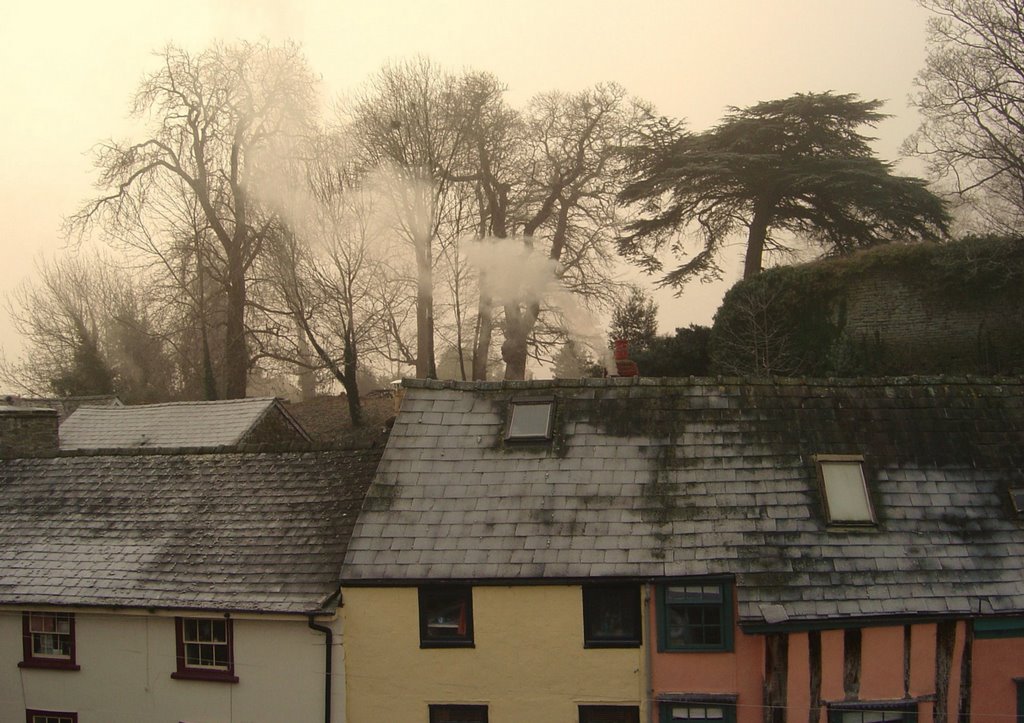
{"x": 1017, "y": 498}
{"x": 530, "y": 420}
{"x": 844, "y": 489}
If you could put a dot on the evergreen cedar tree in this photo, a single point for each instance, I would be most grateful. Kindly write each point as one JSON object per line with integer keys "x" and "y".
{"x": 796, "y": 165}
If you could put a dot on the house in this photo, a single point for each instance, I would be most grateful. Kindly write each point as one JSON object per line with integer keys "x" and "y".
{"x": 175, "y": 425}
{"x": 174, "y": 585}
{"x": 724, "y": 550}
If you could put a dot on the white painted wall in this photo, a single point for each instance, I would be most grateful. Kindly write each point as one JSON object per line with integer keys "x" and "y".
{"x": 126, "y": 664}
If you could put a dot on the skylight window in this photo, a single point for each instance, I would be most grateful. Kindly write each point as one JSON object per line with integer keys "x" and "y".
{"x": 844, "y": 488}
{"x": 1017, "y": 497}
{"x": 530, "y": 420}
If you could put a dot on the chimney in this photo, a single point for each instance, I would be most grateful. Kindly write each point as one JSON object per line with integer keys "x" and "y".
{"x": 624, "y": 366}
{"x": 28, "y": 431}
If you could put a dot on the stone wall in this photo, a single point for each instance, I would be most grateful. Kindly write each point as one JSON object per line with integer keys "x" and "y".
{"x": 28, "y": 432}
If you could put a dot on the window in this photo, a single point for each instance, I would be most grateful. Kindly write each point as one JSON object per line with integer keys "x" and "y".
{"x": 48, "y": 640}
{"x": 205, "y": 649}
{"x": 446, "y": 616}
{"x": 1017, "y": 498}
{"x": 697, "y": 711}
{"x": 872, "y": 712}
{"x": 458, "y": 714}
{"x": 531, "y": 420}
{"x": 846, "y": 493}
{"x": 999, "y": 628}
{"x": 695, "y": 616}
{"x": 611, "y": 616}
{"x": 609, "y": 714}
{"x": 50, "y": 716}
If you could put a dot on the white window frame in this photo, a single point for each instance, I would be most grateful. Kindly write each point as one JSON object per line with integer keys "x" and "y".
{"x": 821, "y": 462}
{"x": 512, "y": 435}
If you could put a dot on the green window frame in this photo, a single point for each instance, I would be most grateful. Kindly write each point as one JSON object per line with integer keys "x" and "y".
{"x": 1019, "y": 682}
{"x": 999, "y": 628}
{"x": 697, "y": 711}
{"x": 873, "y": 712}
{"x": 695, "y": 615}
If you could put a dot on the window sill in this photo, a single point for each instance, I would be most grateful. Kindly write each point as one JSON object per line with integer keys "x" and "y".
{"x": 447, "y": 644}
{"x": 611, "y": 644}
{"x": 49, "y": 664}
{"x": 211, "y": 675}
{"x": 718, "y": 649}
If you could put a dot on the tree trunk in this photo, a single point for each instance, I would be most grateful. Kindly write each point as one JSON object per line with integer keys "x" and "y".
{"x": 236, "y": 353}
{"x": 426, "y": 367}
{"x": 306, "y": 375}
{"x": 518, "y": 325}
{"x": 484, "y": 321}
{"x": 755, "y": 241}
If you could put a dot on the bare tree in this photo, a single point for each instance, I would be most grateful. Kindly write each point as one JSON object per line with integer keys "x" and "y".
{"x": 406, "y": 125}
{"x": 325, "y": 269}
{"x": 213, "y": 115}
{"x": 547, "y": 176}
{"x": 89, "y": 330}
{"x": 971, "y": 95}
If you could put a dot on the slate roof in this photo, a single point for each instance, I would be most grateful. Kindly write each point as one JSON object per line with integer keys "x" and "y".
{"x": 262, "y": 532}
{"x": 173, "y": 425}
{"x": 653, "y": 478}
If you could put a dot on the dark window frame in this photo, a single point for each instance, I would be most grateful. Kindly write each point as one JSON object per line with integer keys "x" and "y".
{"x": 31, "y": 659}
{"x": 31, "y": 713}
{"x": 593, "y": 596}
{"x": 1017, "y": 502}
{"x": 728, "y": 709}
{"x": 726, "y": 612}
{"x": 908, "y": 709}
{"x": 822, "y": 459}
{"x": 437, "y": 709}
{"x": 429, "y": 595}
{"x": 510, "y": 436}
{"x": 608, "y": 713}
{"x": 192, "y": 672}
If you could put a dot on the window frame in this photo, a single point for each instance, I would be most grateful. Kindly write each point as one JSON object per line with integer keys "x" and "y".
{"x": 590, "y": 595}
{"x": 424, "y": 595}
{"x": 31, "y": 713}
{"x": 727, "y": 705}
{"x": 1015, "y": 502}
{"x": 836, "y": 710}
{"x": 630, "y": 713}
{"x": 726, "y": 612}
{"x": 31, "y": 659}
{"x": 511, "y": 436}
{"x": 194, "y": 672}
{"x": 435, "y": 709}
{"x": 820, "y": 460}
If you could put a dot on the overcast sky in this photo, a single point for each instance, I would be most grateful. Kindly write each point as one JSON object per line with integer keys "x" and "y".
{"x": 68, "y": 69}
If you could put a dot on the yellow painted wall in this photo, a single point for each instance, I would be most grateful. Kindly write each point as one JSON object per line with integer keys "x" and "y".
{"x": 126, "y": 664}
{"x": 529, "y": 663}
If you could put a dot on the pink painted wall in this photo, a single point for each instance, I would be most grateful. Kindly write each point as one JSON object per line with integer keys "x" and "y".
{"x": 739, "y": 672}
{"x": 996, "y": 663}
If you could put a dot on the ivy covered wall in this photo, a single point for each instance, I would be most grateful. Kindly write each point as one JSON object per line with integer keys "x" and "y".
{"x": 954, "y": 308}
